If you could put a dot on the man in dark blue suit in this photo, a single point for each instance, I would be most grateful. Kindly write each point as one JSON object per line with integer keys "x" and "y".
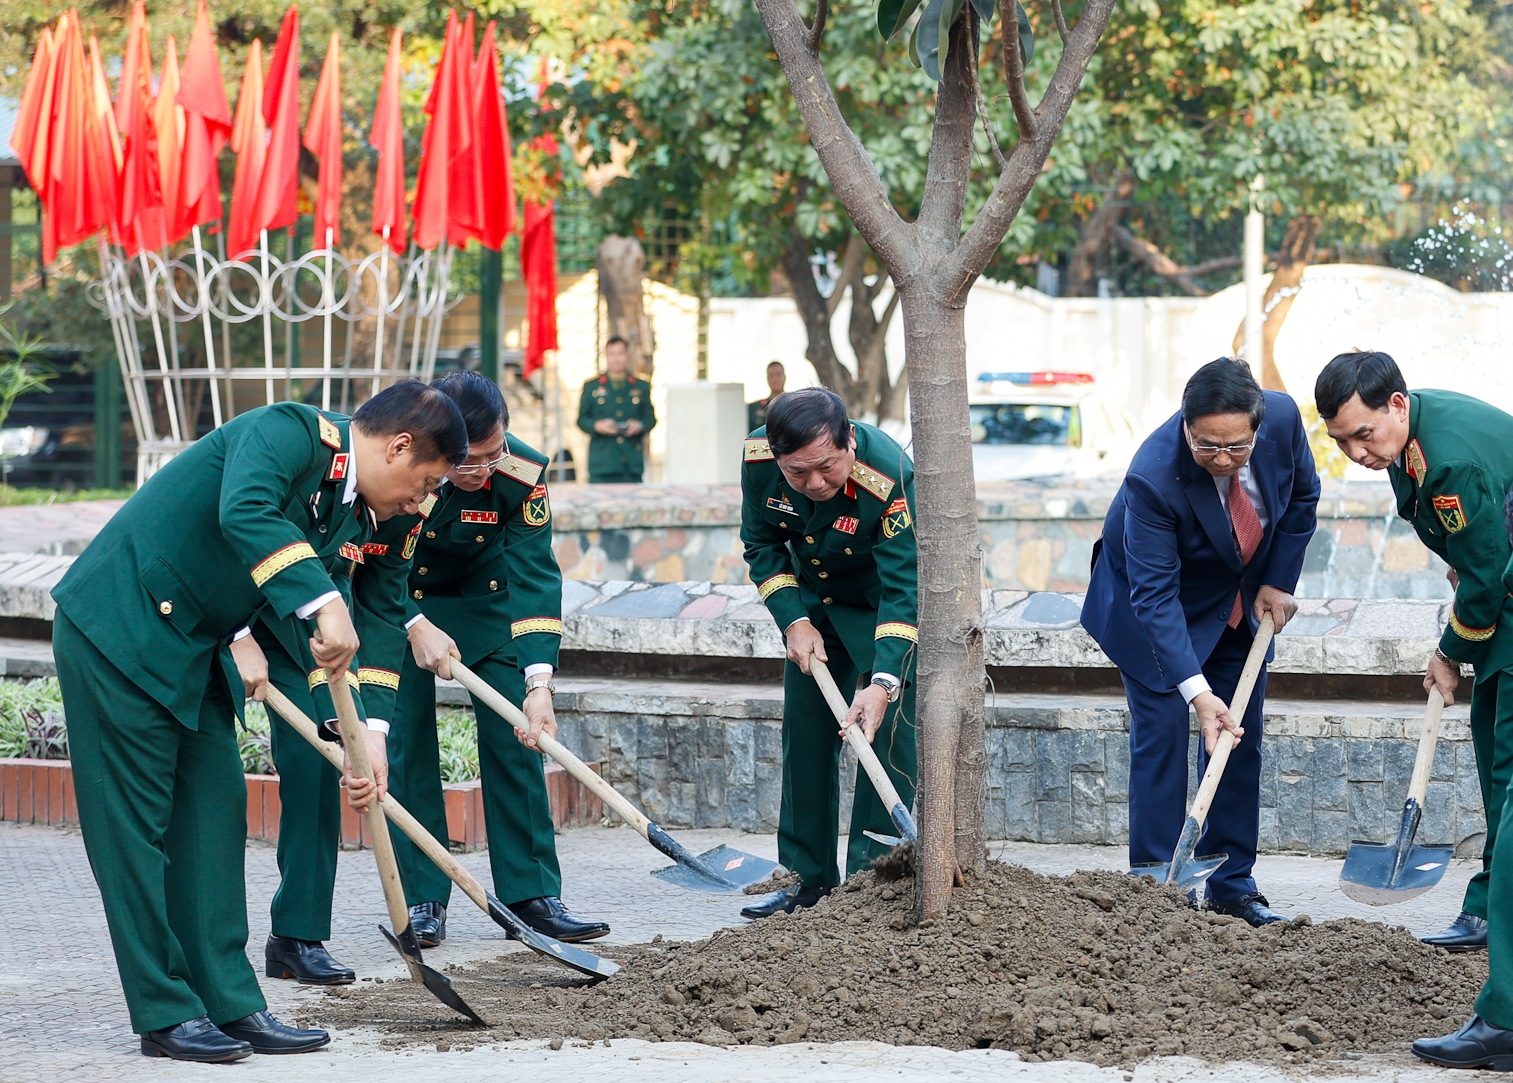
{"x": 1205, "y": 536}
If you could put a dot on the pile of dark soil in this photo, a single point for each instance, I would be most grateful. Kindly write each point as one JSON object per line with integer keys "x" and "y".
{"x": 1096, "y": 966}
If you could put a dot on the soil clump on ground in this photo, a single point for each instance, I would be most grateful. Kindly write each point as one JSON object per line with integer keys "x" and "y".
{"x": 1096, "y": 966}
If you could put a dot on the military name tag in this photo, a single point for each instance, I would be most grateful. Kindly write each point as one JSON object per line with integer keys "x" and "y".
{"x": 480, "y": 517}
{"x": 778, "y": 504}
{"x": 846, "y": 524}
{"x": 351, "y": 552}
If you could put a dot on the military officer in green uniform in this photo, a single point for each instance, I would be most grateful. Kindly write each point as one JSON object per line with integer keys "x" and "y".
{"x": 485, "y": 589}
{"x": 616, "y": 412}
{"x": 240, "y": 521}
{"x": 1450, "y": 460}
{"x": 827, "y": 520}
{"x": 756, "y": 412}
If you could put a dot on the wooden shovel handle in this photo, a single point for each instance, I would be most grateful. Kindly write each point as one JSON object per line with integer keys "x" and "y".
{"x": 396, "y": 812}
{"x": 854, "y": 735}
{"x": 354, "y": 740}
{"x": 481, "y": 690}
{"x": 1419, "y": 786}
{"x": 1253, "y": 662}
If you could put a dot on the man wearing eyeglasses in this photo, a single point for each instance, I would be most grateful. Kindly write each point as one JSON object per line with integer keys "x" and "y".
{"x": 1205, "y": 536}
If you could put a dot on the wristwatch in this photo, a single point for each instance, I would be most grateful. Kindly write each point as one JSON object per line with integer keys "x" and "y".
{"x": 893, "y": 688}
{"x": 541, "y": 682}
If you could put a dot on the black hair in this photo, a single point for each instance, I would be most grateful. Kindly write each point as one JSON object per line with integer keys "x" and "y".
{"x": 1224, "y": 386}
{"x": 430, "y": 417}
{"x": 1371, "y": 374}
{"x": 779, "y": 364}
{"x": 614, "y": 339}
{"x": 801, "y": 417}
{"x": 483, "y": 407}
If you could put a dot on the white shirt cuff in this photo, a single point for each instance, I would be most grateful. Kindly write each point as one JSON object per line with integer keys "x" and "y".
{"x": 378, "y": 725}
{"x": 893, "y": 682}
{"x": 413, "y": 621}
{"x": 306, "y": 611}
{"x": 1194, "y": 687}
{"x": 792, "y": 623}
{"x": 241, "y": 633}
{"x": 536, "y": 668}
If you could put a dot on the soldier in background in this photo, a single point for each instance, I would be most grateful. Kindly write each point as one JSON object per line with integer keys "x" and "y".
{"x": 616, "y": 412}
{"x": 756, "y": 412}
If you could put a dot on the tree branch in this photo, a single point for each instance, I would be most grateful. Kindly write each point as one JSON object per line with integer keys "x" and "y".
{"x": 820, "y": 351}
{"x": 982, "y": 109}
{"x": 1029, "y": 155}
{"x": 817, "y": 31}
{"x": 1013, "y": 68}
{"x": 950, "y": 164}
{"x": 1061, "y": 27}
{"x": 852, "y": 261}
{"x": 1158, "y": 261}
{"x": 851, "y": 172}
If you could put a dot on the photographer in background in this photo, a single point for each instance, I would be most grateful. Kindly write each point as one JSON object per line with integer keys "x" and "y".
{"x": 616, "y": 412}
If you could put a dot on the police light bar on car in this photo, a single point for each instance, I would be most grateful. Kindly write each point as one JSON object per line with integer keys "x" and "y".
{"x": 1031, "y": 378}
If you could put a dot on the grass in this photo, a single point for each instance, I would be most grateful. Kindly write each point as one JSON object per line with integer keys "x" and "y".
{"x": 11, "y": 496}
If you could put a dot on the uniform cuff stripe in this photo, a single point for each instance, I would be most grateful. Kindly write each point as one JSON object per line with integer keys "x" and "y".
{"x": 384, "y": 678}
{"x": 318, "y": 677}
{"x": 1475, "y": 635}
{"x": 288, "y": 555}
{"x": 549, "y": 625}
{"x": 897, "y": 630}
{"x": 769, "y": 586}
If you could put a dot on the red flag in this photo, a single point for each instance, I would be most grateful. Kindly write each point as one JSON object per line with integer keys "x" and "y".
{"x": 168, "y": 125}
{"x": 80, "y": 174}
{"x": 207, "y": 124}
{"x": 278, "y": 187}
{"x": 538, "y": 265}
{"x": 34, "y": 116}
{"x": 323, "y": 139}
{"x": 100, "y": 97}
{"x": 446, "y": 137}
{"x": 463, "y": 180}
{"x": 249, "y": 139}
{"x": 388, "y": 138}
{"x": 491, "y": 148}
{"x": 141, "y": 192}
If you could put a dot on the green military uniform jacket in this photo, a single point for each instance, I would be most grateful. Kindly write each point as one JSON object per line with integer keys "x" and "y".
{"x": 1450, "y": 483}
{"x": 618, "y": 457}
{"x": 247, "y": 519}
{"x": 483, "y": 568}
{"x": 756, "y": 413}
{"x": 856, "y": 549}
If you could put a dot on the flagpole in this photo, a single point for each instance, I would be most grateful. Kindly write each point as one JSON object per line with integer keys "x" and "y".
{"x": 267, "y": 306}
{"x": 346, "y": 354}
{"x": 173, "y": 347}
{"x": 444, "y": 271}
{"x": 199, "y": 273}
{"x": 137, "y": 384}
{"x": 383, "y": 306}
{"x": 327, "y": 300}
{"x": 427, "y": 270}
{"x": 151, "y": 295}
{"x": 220, "y": 254}
{"x": 118, "y": 333}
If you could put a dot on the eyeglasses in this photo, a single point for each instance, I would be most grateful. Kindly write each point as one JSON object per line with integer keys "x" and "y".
{"x": 1208, "y": 451}
{"x": 480, "y": 468}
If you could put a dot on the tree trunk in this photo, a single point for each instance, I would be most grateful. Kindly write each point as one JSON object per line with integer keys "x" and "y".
{"x": 1297, "y": 252}
{"x": 815, "y": 311}
{"x": 868, "y": 333}
{"x": 1082, "y": 270}
{"x": 621, "y": 264}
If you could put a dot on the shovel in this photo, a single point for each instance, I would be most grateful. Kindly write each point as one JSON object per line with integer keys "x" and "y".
{"x": 1378, "y": 874}
{"x": 352, "y": 738}
{"x": 868, "y": 759}
{"x": 720, "y": 871}
{"x": 1185, "y": 870}
{"x": 568, "y": 955}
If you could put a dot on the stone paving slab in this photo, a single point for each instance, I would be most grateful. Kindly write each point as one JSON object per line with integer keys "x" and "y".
{"x": 63, "y": 1017}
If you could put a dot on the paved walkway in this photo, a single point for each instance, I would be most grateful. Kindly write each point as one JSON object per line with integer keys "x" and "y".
{"x": 62, "y": 1016}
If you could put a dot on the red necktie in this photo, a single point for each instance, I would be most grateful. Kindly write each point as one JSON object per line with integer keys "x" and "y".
{"x": 1247, "y": 528}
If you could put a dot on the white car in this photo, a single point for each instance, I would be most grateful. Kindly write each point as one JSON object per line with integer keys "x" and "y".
{"x": 1046, "y": 424}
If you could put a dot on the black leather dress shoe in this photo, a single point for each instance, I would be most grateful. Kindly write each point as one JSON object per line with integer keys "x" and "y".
{"x": 548, "y": 915}
{"x": 307, "y": 961}
{"x": 198, "y": 1039}
{"x": 785, "y": 902}
{"x": 428, "y": 921}
{"x": 266, "y": 1034}
{"x": 1466, "y": 933}
{"x": 1478, "y": 1044}
{"x": 1254, "y": 908}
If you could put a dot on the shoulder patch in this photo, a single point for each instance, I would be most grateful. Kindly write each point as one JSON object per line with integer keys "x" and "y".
{"x": 874, "y": 481}
{"x": 1451, "y": 514}
{"x": 330, "y": 435}
{"x": 758, "y": 451}
{"x": 1414, "y": 457}
{"x": 522, "y": 470}
{"x": 427, "y": 506}
{"x": 536, "y": 510}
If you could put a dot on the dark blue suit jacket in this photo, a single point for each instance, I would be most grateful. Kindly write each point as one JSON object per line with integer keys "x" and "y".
{"x": 1166, "y": 570}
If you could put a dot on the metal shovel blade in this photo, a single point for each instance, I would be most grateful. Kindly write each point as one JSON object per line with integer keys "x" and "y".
{"x": 1368, "y": 876}
{"x": 721, "y": 871}
{"x": 886, "y": 840}
{"x": 1190, "y": 874}
{"x": 438, "y": 984}
{"x": 569, "y": 955}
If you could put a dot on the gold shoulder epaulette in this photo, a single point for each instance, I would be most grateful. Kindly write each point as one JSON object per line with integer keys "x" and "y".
{"x": 522, "y": 470}
{"x": 330, "y": 435}
{"x": 1418, "y": 469}
{"x": 758, "y": 450}
{"x": 427, "y": 506}
{"x": 874, "y": 481}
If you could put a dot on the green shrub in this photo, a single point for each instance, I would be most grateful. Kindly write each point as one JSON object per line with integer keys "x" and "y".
{"x": 31, "y": 719}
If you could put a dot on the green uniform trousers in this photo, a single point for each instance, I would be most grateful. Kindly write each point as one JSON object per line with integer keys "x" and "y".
{"x": 163, "y": 812}
{"x": 809, "y": 819}
{"x": 517, "y": 814}
{"x": 1492, "y": 737}
{"x": 613, "y": 474}
{"x": 309, "y": 820}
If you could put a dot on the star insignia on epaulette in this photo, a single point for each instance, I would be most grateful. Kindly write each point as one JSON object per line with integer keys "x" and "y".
{"x": 330, "y": 435}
